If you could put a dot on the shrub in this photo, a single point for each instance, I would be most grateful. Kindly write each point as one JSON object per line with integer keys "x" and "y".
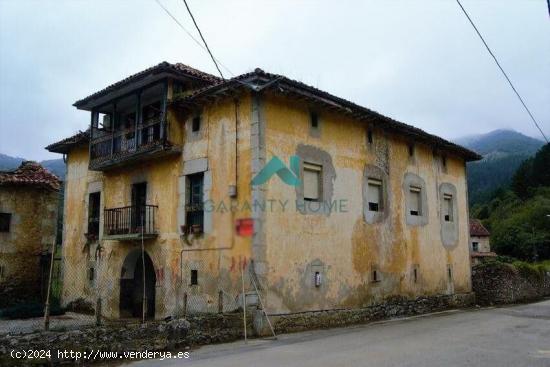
{"x": 529, "y": 270}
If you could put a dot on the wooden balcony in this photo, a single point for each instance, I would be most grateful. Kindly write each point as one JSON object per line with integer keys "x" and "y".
{"x": 111, "y": 149}
{"x": 130, "y": 223}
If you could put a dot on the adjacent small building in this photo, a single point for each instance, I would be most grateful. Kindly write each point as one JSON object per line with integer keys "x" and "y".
{"x": 28, "y": 222}
{"x": 480, "y": 244}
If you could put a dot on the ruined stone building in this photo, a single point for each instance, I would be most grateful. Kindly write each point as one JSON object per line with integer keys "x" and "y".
{"x": 480, "y": 244}
{"x": 28, "y": 222}
{"x": 330, "y": 204}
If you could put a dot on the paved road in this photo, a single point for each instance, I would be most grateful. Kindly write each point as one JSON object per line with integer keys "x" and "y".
{"x": 511, "y": 336}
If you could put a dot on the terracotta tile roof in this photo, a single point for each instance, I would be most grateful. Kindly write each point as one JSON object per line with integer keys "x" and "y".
{"x": 63, "y": 146}
{"x": 177, "y": 68}
{"x": 259, "y": 80}
{"x": 477, "y": 229}
{"x": 30, "y": 173}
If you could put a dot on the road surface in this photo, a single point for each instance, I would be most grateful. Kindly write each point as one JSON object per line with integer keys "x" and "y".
{"x": 512, "y": 336}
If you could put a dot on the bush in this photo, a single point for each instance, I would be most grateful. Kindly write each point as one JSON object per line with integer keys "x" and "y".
{"x": 529, "y": 270}
{"x": 29, "y": 310}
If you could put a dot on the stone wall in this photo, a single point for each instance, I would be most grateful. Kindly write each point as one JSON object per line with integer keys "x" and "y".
{"x": 391, "y": 308}
{"x": 32, "y": 233}
{"x": 499, "y": 283}
{"x": 171, "y": 335}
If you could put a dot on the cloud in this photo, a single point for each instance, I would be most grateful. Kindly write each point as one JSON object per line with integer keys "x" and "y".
{"x": 418, "y": 62}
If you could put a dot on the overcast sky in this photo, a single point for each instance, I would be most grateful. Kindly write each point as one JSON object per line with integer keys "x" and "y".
{"x": 419, "y": 62}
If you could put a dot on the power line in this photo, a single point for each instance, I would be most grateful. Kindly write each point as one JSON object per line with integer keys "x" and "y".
{"x": 203, "y": 40}
{"x": 502, "y": 70}
{"x": 192, "y": 37}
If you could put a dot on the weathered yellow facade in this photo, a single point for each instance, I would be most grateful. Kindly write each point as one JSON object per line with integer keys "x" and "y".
{"x": 292, "y": 246}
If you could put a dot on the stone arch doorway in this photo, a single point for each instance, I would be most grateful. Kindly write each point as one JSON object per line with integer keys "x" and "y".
{"x": 131, "y": 285}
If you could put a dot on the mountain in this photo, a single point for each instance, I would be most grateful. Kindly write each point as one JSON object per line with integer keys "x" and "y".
{"x": 503, "y": 151}
{"x": 55, "y": 166}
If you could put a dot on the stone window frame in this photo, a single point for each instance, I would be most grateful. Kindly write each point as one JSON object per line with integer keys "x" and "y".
{"x": 191, "y": 135}
{"x": 413, "y": 180}
{"x": 314, "y": 131}
{"x": 191, "y": 167}
{"x": 317, "y": 156}
{"x": 449, "y": 229}
{"x": 375, "y": 173}
{"x": 315, "y": 267}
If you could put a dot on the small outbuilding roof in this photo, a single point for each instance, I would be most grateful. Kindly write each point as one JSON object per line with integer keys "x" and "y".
{"x": 30, "y": 173}
{"x": 477, "y": 229}
{"x": 63, "y": 146}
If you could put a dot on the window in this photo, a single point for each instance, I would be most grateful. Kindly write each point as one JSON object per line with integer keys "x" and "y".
{"x": 94, "y": 213}
{"x": 375, "y": 276}
{"x": 194, "y": 208}
{"x": 369, "y": 136}
{"x": 194, "y": 277}
{"x": 314, "y": 120}
{"x": 449, "y": 273}
{"x": 475, "y": 246}
{"x": 5, "y": 221}
{"x": 91, "y": 274}
{"x": 374, "y": 195}
{"x": 415, "y": 201}
{"x": 196, "y": 124}
{"x": 411, "y": 150}
{"x": 448, "y": 207}
{"x": 444, "y": 162}
{"x": 317, "y": 279}
{"x": 312, "y": 182}
{"x": 415, "y": 274}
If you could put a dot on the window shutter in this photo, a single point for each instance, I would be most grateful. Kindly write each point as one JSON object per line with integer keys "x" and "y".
{"x": 312, "y": 181}
{"x": 414, "y": 201}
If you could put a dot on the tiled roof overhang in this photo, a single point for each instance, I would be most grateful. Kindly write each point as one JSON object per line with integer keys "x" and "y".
{"x": 144, "y": 78}
{"x": 65, "y": 145}
{"x": 260, "y": 81}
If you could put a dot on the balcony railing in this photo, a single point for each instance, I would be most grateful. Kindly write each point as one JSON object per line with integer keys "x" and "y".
{"x": 130, "y": 222}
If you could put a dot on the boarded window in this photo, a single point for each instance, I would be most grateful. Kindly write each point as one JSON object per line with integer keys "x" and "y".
{"x": 415, "y": 200}
{"x": 374, "y": 195}
{"x": 448, "y": 207}
{"x": 475, "y": 246}
{"x": 5, "y": 221}
{"x": 312, "y": 182}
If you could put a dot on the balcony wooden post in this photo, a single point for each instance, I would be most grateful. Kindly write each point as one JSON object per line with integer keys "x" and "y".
{"x": 93, "y": 115}
{"x": 163, "y": 111}
{"x": 138, "y": 119}
{"x": 113, "y": 130}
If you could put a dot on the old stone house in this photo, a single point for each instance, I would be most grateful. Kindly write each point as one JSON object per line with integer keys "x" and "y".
{"x": 480, "y": 244}
{"x": 28, "y": 223}
{"x": 329, "y": 204}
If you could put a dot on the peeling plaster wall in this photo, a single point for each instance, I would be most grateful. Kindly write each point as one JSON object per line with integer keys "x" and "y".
{"x": 32, "y": 231}
{"x": 217, "y": 254}
{"x": 347, "y": 247}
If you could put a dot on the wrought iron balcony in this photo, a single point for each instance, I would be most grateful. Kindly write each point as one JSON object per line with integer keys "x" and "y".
{"x": 130, "y": 223}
